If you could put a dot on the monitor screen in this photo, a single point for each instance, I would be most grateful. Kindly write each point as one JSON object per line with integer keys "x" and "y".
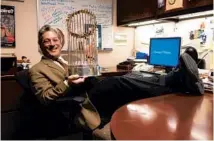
{"x": 164, "y": 51}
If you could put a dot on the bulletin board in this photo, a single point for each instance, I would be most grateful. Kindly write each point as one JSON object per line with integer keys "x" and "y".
{"x": 54, "y": 12}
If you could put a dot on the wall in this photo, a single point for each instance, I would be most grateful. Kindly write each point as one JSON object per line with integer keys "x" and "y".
{"x": 26, "y": 36}
{"x": 26, "y": 30}
{"x": 119, "y": 53}
{"x": 182, "y": 29}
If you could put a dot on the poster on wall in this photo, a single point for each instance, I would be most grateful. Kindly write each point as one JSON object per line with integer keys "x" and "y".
{"x": 98, "y": 34}
{"x": 15, "y": 0}
{"x": 7, "y": 26}
{"x": 120, "y": 39}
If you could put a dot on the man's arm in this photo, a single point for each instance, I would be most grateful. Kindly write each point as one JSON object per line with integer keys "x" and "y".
{"x": 44, "y": 89}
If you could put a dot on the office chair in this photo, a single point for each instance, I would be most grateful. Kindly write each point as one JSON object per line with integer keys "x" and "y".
{"x": 36, "y": 117}
{"x": 39, "y": 121}
{"x": 194, "y": 54}
{"x": 201, "y": 64}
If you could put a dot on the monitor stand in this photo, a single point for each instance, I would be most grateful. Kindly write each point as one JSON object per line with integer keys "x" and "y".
{"x": 168, "y": 69}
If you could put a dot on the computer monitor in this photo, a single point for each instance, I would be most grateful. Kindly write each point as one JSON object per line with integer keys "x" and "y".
{"x": 164, "y": 51}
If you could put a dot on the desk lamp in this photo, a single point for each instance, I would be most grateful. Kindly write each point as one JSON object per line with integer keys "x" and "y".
{"x": 82, "y": 40}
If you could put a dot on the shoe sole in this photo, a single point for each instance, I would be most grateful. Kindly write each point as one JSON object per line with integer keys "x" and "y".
{"x": 190, "y": 66}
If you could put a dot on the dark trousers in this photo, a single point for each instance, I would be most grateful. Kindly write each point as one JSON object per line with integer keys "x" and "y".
{"x": 113, "y": 92}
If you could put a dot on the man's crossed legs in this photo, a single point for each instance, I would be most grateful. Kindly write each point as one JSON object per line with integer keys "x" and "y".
{"x": 113, "y": 92}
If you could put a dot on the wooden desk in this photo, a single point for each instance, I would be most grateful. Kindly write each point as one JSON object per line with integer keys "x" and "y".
{"x": 169, "y": 117}
{"x": 11, "y": 93}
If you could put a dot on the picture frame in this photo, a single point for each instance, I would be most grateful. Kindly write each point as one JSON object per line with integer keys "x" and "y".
{"x": 8, "y": 26}
{"x": 98, "y": 34}
{"x": 14, "y": 0}
{"x": 120, "y": 39}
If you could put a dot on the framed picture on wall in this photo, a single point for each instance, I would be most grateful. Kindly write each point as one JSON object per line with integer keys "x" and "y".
{"x": 8, "y": 26}
{"x": 14, "y": 0}
{"x": 98, "y": 34}
{"x": 120, "y": 39}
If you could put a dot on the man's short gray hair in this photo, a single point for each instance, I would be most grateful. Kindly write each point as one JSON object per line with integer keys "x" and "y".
{"x": 47, "y": 28}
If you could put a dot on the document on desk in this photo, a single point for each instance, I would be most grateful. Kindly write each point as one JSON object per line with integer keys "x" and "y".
{"x": 208, "y": 84}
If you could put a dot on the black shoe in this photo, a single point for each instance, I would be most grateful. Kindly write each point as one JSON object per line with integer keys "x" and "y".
{"x": 191, "y": 81}
{"x": 88, "y": 117}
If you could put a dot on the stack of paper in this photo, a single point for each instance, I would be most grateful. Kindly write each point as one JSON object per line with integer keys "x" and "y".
{"x": 204, "y": 74}
{"x": 208, "y": 85}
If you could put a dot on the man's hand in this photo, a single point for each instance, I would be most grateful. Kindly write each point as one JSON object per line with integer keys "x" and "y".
{"x": 75, "y": 79}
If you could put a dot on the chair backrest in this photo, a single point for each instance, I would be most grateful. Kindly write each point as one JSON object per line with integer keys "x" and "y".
{"x": 192, "y": 52}
{"x": 29, "y": 99}
{"x": 201, "y": 64}
{"x": 22, "y": 78}
{"x": 38, "y": 120}
{"x": 30, "y": 110}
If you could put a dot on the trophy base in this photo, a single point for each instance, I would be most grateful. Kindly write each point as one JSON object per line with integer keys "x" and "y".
{"x": 84, "y": 70}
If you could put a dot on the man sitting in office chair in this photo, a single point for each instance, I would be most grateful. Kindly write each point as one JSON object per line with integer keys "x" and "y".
{"x": 49, "y": 81}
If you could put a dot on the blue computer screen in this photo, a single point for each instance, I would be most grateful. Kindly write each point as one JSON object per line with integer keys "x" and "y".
{"x": 164, "y": 51}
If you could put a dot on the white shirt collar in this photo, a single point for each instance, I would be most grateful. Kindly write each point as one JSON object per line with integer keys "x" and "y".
{"x": 60, "y": 57}
{"x": 63, "y": 60}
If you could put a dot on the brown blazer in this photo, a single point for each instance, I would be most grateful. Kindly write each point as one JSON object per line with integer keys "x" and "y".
{"x": 47, "y": 80}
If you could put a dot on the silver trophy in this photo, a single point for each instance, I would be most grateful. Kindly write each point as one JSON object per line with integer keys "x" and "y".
{"x": 82, "y": 41}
